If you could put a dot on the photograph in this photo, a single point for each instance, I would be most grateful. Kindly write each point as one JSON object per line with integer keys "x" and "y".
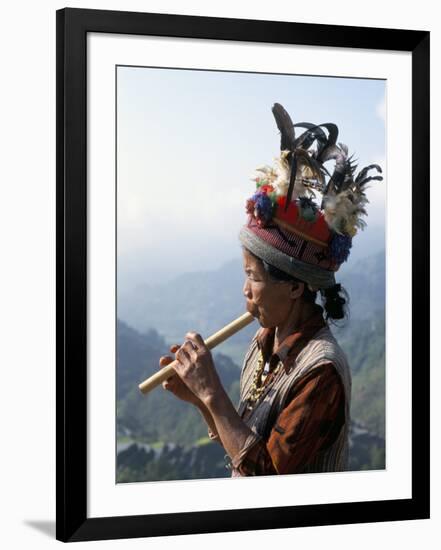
{"x": 259, "y": 197}
{"x": 218, "y": 304}
{"x": 242, "y": 259}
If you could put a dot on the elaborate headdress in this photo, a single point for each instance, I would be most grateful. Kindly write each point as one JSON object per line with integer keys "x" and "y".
{"x": 286, "y": 226}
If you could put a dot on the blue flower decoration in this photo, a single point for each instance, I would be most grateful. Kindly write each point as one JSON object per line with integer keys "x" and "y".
{"x": 263, "y": 205}
{"x": 339, "y": 247}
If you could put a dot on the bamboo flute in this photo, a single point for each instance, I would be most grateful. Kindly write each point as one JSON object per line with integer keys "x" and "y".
{"x": 211, "y": 342}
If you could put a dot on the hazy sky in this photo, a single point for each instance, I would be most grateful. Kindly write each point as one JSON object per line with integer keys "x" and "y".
{"x": 188, "y": 143}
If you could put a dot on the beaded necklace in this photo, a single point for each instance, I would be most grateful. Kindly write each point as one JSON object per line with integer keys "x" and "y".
{"x": 260, "y": 375}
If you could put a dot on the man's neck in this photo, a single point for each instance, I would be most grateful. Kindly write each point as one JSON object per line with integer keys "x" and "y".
{"x": 300, "y": 315}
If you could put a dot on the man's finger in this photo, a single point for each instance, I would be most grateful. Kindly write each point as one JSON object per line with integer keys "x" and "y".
{"x": 190, "y": 349}
{"x": 165, "y": 360}
{"x": 183, "y": 357}
{"x": 196, "y": 339}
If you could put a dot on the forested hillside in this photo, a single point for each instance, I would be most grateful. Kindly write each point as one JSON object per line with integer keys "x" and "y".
{"x": 160, "y": 437}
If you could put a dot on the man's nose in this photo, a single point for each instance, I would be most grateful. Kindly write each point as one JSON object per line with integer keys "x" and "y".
{"x": 246, "y": 289}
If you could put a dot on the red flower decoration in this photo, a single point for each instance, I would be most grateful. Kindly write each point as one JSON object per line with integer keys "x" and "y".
{"x": 266, "y": 189}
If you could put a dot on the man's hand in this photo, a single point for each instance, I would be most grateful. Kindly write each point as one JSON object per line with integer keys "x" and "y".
{"x": 196, "y": 368}
{"x": 174, "y": 384}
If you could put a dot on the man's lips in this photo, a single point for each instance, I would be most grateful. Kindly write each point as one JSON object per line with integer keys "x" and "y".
{"x": 253, "y": 310}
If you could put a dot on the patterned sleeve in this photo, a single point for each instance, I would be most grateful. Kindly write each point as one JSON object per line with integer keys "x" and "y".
{"x": 308, "y": 424}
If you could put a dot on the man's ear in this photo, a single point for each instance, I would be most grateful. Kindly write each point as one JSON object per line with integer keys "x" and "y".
{"x": 297, "y": 290}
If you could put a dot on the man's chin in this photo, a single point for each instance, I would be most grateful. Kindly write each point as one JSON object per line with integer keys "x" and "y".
{"x": 264, "y": 323}
{"x": 261, "y": 320}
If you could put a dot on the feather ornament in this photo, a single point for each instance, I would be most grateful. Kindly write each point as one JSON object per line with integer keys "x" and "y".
{"x": 343, "y": 210}
{"x": 299, "y": 172}
{"x": 278, "y": 176}
{"x": 285, "y": 126}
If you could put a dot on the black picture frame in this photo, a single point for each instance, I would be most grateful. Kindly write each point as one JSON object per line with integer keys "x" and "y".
{"x": 72, "y": 523}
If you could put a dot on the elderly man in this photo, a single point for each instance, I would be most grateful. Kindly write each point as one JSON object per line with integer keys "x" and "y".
{"x": 295, "y": 387}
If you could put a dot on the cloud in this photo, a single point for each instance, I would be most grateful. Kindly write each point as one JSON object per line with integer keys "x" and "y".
{"x": 380, "y": 109}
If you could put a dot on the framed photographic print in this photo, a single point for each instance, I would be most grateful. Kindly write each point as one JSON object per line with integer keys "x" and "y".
{"x": 210, "y": 170}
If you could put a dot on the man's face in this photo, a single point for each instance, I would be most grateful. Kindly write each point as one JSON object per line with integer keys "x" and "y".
{"x": 268, "y": 301}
